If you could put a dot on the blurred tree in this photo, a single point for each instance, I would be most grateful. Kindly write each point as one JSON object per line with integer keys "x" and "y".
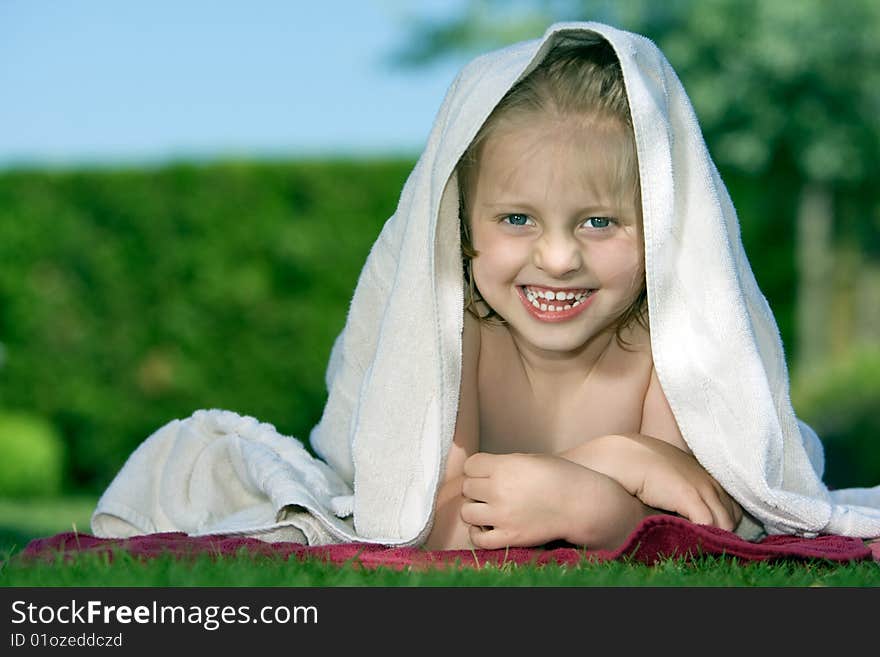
{"x": 783, "y": 89}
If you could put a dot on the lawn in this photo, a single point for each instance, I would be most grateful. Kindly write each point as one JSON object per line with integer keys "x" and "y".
{"x": 20, "y": 521}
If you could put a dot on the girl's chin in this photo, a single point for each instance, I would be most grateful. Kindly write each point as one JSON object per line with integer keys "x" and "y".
{"x": 560, "y": 337}
{"x": 556, "y": 350}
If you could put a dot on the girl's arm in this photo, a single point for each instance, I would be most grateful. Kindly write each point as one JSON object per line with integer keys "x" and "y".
{"x": 657, "y": 466}
{"x": 522, "y": 500}
{"x": 449, "y": 530}
{"x": 616, "y": 455}
{"x": 609, "y": 516}
{"x": 606, "y": 517}
{"x": 657, "y": 418}
{"x": 661, "y": 476}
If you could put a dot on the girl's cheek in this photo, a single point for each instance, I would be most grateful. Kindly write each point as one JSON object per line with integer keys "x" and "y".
{"x": 488, "y": 265}
{"x": 614, "y": 257}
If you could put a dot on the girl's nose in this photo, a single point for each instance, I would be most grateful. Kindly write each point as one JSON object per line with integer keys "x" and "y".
{"x": 558, "y": 255}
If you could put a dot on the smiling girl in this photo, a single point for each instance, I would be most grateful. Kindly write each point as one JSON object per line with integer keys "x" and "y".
{"x": 563, "y": 431}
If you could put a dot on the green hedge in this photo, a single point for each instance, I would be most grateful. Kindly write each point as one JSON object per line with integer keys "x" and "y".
{"x": 129, "y": 298}
{"x": 33, "y": 457}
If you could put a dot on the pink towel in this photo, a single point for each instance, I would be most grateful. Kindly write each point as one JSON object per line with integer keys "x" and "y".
{"x": 655, "y": 538}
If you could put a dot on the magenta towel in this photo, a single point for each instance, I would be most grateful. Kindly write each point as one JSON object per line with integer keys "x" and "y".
{"x": 655, "y": 538}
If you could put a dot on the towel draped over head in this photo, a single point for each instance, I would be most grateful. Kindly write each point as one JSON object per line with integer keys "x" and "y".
{"x": 394, "y": 371}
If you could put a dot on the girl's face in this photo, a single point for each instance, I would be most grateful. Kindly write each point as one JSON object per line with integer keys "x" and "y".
{"x": 560, "y": 251}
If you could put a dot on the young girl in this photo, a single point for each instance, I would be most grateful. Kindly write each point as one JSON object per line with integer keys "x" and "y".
{"x": 563, "y": 430}
{"x": 607, "y": 355}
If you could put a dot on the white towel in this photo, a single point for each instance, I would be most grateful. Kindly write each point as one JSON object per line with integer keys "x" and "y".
{"x": 221, "y": 473}
{"x": 394, "y": 371}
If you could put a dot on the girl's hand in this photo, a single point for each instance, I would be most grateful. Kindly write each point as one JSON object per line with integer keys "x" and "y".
{"x": 661, "y": 476}
{"x": 523, "y": 500}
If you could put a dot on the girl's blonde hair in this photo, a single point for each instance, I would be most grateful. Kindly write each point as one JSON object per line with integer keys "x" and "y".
{"x": 582, "y": 80}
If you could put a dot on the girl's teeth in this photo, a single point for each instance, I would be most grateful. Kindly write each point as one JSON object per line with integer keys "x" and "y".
{"x": 555, "y": 296}
{"x": 533, "y": 298}
{"x": 540, "y": 298}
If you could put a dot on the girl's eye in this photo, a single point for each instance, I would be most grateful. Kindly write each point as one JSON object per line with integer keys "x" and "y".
{"x": 599, "y": 222}
{"x": 516, "y": 219}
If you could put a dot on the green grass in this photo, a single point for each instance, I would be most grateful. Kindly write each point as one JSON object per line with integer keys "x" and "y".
{"x": 247, "y": 571}
{"x": 21, "y": 521}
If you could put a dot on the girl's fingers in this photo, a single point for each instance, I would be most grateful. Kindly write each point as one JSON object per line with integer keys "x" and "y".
{"x": 737, "y": 512}
{"x": 489, "y": 538}
{"x": 476, "y": 488}
{"x": 476, "y": 513}
{"x": 479, "y": 464}
{"x": 733, "y": 509}
{"x": 695, "y": 509}
{"x": 722, "y": 514}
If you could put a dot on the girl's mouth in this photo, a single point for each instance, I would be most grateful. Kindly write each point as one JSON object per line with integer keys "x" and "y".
{"x": 554, "y": 305}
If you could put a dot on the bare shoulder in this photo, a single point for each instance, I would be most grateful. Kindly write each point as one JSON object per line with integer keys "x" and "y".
{"x": 466, "y": 439}
{"x": 658, "y": 420}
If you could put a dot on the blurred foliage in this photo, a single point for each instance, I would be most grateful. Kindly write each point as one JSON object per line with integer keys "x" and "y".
{"x": 130, "y": 298}
{"x": 33, "y": 457}
{"x": 840, "y": 402}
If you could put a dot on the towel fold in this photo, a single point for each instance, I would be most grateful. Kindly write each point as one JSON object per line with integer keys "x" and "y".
{"x": 218, "y": 472}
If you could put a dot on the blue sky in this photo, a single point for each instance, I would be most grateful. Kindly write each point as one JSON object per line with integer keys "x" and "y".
{"x": 130, "y": 82}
